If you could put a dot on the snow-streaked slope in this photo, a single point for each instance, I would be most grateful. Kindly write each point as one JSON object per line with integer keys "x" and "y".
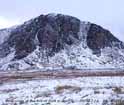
{"x": 76, "y": 91}
{"x": 4, "y": 34}
{"x": 77, "y": 56}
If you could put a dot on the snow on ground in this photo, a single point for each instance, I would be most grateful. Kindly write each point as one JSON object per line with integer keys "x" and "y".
{"x": 76, "y": 91}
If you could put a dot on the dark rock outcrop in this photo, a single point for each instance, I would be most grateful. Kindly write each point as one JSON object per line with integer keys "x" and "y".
{"x": 99, "y": 38}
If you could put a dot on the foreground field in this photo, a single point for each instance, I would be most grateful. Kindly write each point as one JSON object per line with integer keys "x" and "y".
{"x": 52, "y": 90}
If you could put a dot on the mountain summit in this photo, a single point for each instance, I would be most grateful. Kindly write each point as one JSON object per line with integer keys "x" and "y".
{"x": 57, "y": 40}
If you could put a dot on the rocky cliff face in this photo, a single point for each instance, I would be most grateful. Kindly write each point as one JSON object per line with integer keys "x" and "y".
{"x": 57, "y": 39}
{"x": 99, "y": 38}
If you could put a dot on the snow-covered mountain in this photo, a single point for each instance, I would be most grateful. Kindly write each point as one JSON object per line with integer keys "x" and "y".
{"x": 59, "y": 41}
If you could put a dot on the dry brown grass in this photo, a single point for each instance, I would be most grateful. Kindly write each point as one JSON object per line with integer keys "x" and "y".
{"x": 118, "y": 102}
{"x": 60, "y": 89}
{"x": 96, "y": 92}
{"x": 8, "y": 90}
{"x": 43, "y": 94}
{"x": 118, "y": 90}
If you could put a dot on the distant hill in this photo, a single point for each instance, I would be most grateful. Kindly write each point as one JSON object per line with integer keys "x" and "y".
{"x": 59, "y": 40}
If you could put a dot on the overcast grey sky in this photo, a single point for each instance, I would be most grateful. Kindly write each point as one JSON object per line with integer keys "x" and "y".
{"x": 107, "y": 13}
